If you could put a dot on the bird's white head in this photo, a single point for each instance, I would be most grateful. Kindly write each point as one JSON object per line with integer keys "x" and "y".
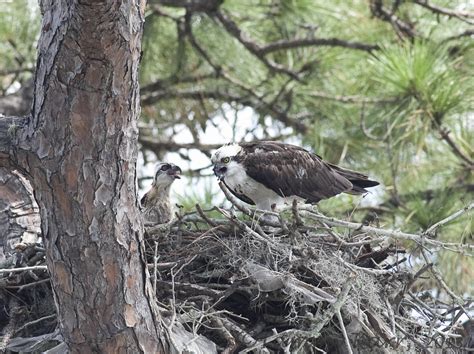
{"x": 165, "y": 174}
{"x": 224, "y": 160}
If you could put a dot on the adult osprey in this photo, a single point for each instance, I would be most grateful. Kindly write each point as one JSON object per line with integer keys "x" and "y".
{"x": 270, "y": 173}
{"x": 156, "y": 205}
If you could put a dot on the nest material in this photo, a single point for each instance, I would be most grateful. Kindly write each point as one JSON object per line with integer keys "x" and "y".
{"x": 291, "y": 283}
{"x": 27, "y": 307}
{"x": 239, "y": 281}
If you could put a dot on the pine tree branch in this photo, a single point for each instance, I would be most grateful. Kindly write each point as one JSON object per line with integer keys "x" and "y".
{"x": 444, "y": 132}
{"x": 192, "y": 5}
{"x": 252, "y": 99}
{"x": 234, "y": 30}
{"x": 431, "y": 230}
{"x": 316, "y": 42}
{"x": 466, "y": 33}
{"x": 461, "y": 15}
{"x": 402, "y": 28}
{"x": 16, "y": 71}
{"x": 191, "y": 94}
{"x": 164, "y": 84}
{"x": 350, "y": 99}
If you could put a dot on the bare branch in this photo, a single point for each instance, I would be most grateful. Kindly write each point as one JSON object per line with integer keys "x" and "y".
{"x": 344, "y": 332}
{"x": 350, "y": 99}
{"x": 251, "y": 46}
{"x": 171, "y": 146}
{"x": 164, "y": 84}
{"x": 402, "y": 28}
{"x": 444, "y": 132}
{"x": 466, "y": 33}
{"x": 23, "y": 269}
{"x": 431, "y": 231}
{"x": 461, "y": 15}
{"x": 193, "y": 94}
{"x": 309, "y": 42}
{"x": 16, "y": 71}
{"x": 387, "y": 233}
{"x": 192, "y": 5}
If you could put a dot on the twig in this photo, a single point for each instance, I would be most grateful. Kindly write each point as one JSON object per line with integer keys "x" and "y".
{"x": 366, "y": 270}
{"x": 10, "y": 328}
{"x": 466, "y": 33}
{"x": 315, "y": 332}
{"x": 344, "y": 332}
{"x": 242, "y": 336}
{"x": 461, "y": 15}
{"x": 310, "y": 42}
{"x": 155, "y": 268}
{"x": 31, "y": 323}
{"x": 231, "y": 342}
{"x": 456, "y": 150}
{"x": 204, "y": 216}
{"x": 28, "y": 285}
{"x": 15, "y": 270}
{"x": 388, "y": 233}
{"x": 164, "y": 265}
{"x": 440, "y": 280}
{"x": 350, "y": 99}
{"x": 270, "y": 243}
{"x": 431, "y": 230}
{"x": 401, "y": 27}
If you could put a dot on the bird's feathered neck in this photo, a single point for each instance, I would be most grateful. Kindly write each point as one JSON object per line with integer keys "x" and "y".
{"x": 158, "y": 193}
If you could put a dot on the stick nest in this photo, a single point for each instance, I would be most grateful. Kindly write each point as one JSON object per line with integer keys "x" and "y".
{"x": 237, "y": 280}
{"x": 289, "y": 282}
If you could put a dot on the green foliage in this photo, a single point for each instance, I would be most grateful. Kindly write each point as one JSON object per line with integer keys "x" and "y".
{"x": 423, "y": 72}
{"x": 19, "y": 30}
{"x": 191, "y": 197}
{"x": 382, "y": 112}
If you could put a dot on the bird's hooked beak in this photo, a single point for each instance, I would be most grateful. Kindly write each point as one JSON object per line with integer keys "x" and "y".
{"x": 174, "y": 171}
{"x": 219, "y": 171}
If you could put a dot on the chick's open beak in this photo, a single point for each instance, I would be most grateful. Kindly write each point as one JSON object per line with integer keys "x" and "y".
{"x": 174, "y": 171}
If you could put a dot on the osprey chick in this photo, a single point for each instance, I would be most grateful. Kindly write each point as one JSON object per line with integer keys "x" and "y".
{"x": 156, "y": 206}
{"x": 270, "y": 173}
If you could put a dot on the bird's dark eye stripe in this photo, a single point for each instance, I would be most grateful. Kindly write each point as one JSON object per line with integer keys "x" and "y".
{"x": 165, "y": 167}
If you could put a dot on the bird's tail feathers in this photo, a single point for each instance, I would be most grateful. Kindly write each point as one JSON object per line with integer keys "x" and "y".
{"x": 359, "y": 181}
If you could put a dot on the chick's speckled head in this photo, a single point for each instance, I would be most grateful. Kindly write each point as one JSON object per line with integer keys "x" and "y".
{"x": 166, "y": 173}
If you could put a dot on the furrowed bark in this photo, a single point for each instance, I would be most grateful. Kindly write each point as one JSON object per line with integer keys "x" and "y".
{"x": 79, "y": 149}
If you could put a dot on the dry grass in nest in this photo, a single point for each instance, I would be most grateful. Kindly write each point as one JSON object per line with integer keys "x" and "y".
{"x": 300, "y": 282}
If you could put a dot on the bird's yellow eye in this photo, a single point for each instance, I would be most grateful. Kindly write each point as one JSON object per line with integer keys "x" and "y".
{"x": 225, "y": 160}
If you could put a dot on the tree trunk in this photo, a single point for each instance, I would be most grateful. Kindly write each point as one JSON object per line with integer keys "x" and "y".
{"x": 79, "y": 147}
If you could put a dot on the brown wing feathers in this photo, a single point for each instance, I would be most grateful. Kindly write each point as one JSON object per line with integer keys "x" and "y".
{"x": 290, "y": 170}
